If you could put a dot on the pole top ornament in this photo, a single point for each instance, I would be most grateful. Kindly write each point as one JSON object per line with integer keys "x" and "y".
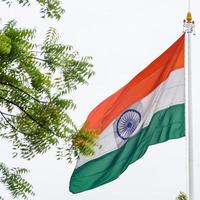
{"x": 189, "y": 17}
{"x": 188, "y": 24}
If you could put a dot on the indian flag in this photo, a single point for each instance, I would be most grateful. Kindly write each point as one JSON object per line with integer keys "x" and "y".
{"x": 146, "y": 111}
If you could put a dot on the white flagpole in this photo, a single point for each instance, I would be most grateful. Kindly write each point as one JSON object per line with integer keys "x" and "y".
{"x": 189, "y": 29}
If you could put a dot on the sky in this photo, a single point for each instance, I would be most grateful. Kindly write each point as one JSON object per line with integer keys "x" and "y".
{"x": 122, "y": 37}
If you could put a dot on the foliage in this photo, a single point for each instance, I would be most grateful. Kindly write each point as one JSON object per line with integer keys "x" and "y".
{"x": 49, "y": 8}
{"x": 12, "y": 179}
{"x": 33, "y": 89}
{"x": 182, "y": 196}
{"x": 34, "y": 109}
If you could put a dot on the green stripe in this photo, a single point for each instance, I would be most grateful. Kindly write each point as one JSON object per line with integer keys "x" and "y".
{"x": 165, "y": 125}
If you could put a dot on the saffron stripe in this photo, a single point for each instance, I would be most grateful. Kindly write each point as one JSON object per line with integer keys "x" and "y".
{"x": 139, "y": 87}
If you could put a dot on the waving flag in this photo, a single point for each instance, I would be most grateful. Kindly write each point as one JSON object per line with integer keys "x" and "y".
{"x": 147, "y": 111}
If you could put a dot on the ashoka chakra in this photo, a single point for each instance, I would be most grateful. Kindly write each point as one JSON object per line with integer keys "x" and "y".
{"x": 127, "y": 123}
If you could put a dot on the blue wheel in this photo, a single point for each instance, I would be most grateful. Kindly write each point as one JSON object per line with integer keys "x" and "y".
{"x": 127, "y": 123}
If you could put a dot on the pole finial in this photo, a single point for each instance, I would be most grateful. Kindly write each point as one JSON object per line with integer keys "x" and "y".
{"x": 189, "y": 17}
{"x": 188, "y": 24}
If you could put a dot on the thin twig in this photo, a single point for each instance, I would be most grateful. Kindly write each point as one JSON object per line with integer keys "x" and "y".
{"x": 22, "y": 109}
{"x": 8, "y": 114}
{"x": 15, "y": 87}
{"x": 12, "y": 126}
{"x": 40, "y": 59}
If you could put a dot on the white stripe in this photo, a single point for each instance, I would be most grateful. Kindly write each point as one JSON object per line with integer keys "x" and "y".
{"x": 168, "y": 93}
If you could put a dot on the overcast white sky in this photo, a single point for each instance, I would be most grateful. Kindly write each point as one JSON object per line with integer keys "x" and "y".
{"x": 122, "y": 37}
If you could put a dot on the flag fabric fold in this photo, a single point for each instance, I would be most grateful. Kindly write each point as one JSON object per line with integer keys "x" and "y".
{"x": 146, "y": 111}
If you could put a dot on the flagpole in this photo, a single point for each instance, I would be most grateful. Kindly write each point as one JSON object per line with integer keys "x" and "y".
{"x": 188, "y": 30}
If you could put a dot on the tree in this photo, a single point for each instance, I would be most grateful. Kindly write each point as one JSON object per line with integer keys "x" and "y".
{"x": 12, "y": 179}
{"x": 35, "y": 80}
{"x": 48, "y": 8}
{"x": 182, "y": 196}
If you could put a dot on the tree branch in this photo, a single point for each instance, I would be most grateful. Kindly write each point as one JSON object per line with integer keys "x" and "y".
{"x": 8, "y": 114}
{"x": 32, "y": 118}
{"x": 44, "y": 60}
{"x": 11, "y": 125}
{"x": 22, "y": 109}
{"x": 4, "y": 91}
{"x": 40, "y": 59}
{"x": 15, "y": 87}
